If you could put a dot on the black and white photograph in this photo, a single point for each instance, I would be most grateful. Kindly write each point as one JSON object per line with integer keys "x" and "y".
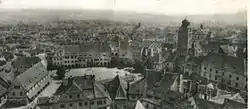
{"x": 123, "y": 54}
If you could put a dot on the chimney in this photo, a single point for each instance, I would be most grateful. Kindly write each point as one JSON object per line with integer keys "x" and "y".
{"x": 65, "y": 81}
{"x": 205, "y": 96}
{"x": 128, "y": 89}
{"x": 245, "y": 66}
{"x": 190, "y": 85}
{"x": 181, "y": 84}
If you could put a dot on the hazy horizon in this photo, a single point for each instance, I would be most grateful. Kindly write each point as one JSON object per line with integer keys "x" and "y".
{"x": 162, "y": 7}
{"x": 44, "y": 15}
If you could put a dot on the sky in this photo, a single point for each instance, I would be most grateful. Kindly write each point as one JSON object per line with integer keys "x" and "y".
{"x": 142, "y": 6}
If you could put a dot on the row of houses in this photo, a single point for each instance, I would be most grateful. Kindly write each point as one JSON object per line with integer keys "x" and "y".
{"x": 26, "y": 86}
{"x": 77, "y": 93}
{"x": 69, "y": 56}
{"x": 213, "y": 63}
{"x": 159, "y": 90}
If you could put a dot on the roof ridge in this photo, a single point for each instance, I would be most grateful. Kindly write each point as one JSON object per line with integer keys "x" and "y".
{"x": 74, "y": 83}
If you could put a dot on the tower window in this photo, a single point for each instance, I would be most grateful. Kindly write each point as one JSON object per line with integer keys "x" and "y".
{"x": 237, "y": 78}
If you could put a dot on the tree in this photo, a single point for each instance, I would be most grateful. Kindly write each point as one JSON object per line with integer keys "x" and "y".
{"x": 138, "y": 66}
{"x": 50, "y": 66}
{"x": 8, "y": 56}
{"x": 61, "y": 73}
{"x": 114, "y": 62}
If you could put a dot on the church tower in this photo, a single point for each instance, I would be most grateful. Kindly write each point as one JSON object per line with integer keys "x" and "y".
{"x": 183, "y": 38}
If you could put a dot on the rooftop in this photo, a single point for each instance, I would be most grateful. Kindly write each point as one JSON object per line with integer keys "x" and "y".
{"x": 228, "y": 63}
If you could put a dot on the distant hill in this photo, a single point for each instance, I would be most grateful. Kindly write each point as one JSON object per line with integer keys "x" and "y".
{"x": 13, "y": 16}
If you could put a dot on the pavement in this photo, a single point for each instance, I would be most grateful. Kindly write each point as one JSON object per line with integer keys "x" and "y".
{"x": 100, "y": 73}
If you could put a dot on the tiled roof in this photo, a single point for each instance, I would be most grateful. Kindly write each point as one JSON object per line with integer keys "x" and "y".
{"x": 94, "y": 48}
{"x": 205, "y": 104}
{"x": 166, "y": 82}
{"x": 81, "y": 84}
{"x": 4, "y": 83}
{"x": 195, "y": 60}
{"x": 117, "y": 87}
{"x": 4, "y": 87}
{"x": 230, "y": 104}
{"x": 25, "y": 61}
{"x": 138, "y": 86}
{"x": 171, "y": 57}
{"x": 31, "y": 76}
{"x": 152, "y": 77}
{"x": 43, "y": 101}
{"x": 76, "y": 84}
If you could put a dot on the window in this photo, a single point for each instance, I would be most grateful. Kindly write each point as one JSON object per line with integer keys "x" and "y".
{"x": 21, "y": 93}
{"x": 230, "y": 75}
{"x": 99, "y": 102}
{"x": 229, "y": 82}
{"x": 13, "y": 93}
{"x": 16, "y": 87}
{"x": 222, "y": 73}
{"x": 124, "y": 106}
{"x": 62, "y": 106}
{"x": 71, "y": 105}
{"x": 216, "y": 71}
{"x": 215, "y": 78}
{"x": 78, "y": 95}
{"x": 237, "y": 78}
{"x": 92, "y": 103}
{"x": 104, "y": 102}
{"x": 80, "y": 104}
{"x": 133, "y": 97}
{"x": 70, "y": 96}
{"x": 210, "y": 76}
{"x": 236, "y": 85}
{"x": 147, "y": 106}
{"x": 205, "y": 68}
{"x": 210, "y": 70}
{"x": 85, "y": 103}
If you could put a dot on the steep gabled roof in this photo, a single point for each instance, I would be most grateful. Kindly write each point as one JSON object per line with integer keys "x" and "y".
{"x": 139, "y": 105}
{"x": 117, "y": 87}
{"x": 121, "y": 93}
{"x": 230, "y": 104}
{"x": 138, "y": 87}
{"x": 205, "y": 104}
{"x": 166, "y": 82}
{"x": 86, "y": 85}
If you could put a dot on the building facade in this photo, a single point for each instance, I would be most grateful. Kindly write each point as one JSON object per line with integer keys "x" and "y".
{"x": 227, "y": 70}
